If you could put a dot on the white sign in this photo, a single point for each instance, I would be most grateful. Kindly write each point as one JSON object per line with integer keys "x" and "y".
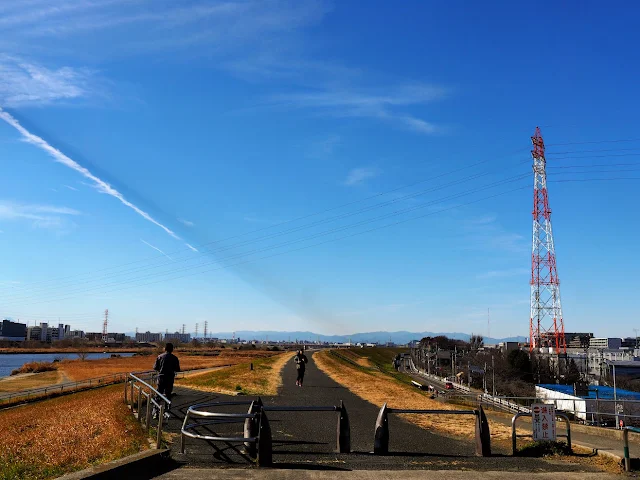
{"x": 543, "y": 418}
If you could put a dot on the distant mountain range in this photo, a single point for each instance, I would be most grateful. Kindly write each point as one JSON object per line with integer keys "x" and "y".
{"x": 401, "y": 337}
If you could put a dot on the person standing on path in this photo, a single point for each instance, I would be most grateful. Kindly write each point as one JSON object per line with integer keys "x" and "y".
{"x": 167, "y": 364}
{"x": 300, "y": 360}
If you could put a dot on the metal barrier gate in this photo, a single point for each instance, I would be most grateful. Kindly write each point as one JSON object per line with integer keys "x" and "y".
{"x": 133, "y": 385}
{"x": 381, "y": 439}
{"x": 257, "y": 437}
{"x": 515, "y": 437}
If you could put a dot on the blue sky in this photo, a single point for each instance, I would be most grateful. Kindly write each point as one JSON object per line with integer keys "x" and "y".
{"x": 314, "y": 165}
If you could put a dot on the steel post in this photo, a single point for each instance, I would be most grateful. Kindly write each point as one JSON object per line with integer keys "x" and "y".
{"x": 265, "y": 445}
{"x": 483, "y": 435}
{"x": 381, "y": 438}
{"x": 627, "y": 460}
{"x": 344, "y": 430}
{"x": 160, "y": 418}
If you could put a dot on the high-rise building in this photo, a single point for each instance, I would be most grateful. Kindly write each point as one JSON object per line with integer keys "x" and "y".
{"x": 14, "y": 331}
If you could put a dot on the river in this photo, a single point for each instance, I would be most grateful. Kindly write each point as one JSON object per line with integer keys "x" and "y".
{"x": 11, "y": 361}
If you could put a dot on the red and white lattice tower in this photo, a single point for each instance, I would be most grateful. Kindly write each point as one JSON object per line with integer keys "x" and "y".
{"x": 546, "y": 325}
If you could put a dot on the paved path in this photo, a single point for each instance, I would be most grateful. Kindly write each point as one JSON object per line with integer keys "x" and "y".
{"x": 307, "y": 440}
{"x": 277, "y": 474}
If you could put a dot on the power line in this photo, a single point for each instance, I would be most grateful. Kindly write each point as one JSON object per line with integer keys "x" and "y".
{"x": 592, "y": 151}
{"x": 284, "y": 232}
{"x": 313, "y": 245}
{"x": 159, "y": 257}
{"x": 311, "y": 237}
{"x": 593, "y": 142}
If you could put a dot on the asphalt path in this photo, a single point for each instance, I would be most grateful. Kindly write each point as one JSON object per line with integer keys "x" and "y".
{"x": 307, "y": 440}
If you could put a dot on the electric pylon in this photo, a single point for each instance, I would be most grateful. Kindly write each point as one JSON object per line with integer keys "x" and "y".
{"x": 546, "y": 327}
{"x": 105, "y": 335}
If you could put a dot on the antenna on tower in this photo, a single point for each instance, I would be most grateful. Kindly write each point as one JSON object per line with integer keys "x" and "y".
{"x": 104, "y": 325}
{"x": 546, "y": 324}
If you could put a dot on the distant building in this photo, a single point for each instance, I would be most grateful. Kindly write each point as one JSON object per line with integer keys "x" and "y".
{"x": 578, "y": 340}
{"x": 14, "y": 331}
{"x": 610, "y": 343}
{"x": 73, "y": 334}
{"x": 94, "y": 336}
{"x": 148, "y": 337}
{"x": 177, "y": 336}
{"x": 58, "y": 333}
{"x": 508, "y": 346}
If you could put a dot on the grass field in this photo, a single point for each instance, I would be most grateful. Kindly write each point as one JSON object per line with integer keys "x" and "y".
{"x": 49, "y": 438}
{"x": 264, "y": 379}
{"x": 83, "y": 369}
{"x": 25, "y": 382}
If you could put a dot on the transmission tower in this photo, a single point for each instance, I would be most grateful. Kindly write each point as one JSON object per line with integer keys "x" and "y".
{"x": 206, "y": 324}
{"x": 196, "y": 330}
{"x": 104, "y": 325}
{"x": 546, "y": 327}
{"x": 183, "y": 326}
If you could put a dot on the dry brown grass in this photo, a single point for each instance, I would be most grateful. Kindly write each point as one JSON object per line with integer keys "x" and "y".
{"x": 264, "y": 379}
{"x": 49, "y": 438}
{"x": 35, "y": 367}
{"x": 83, "y": 369}
{"x": 378, "y": 388}
{"x": 25, "y": 382}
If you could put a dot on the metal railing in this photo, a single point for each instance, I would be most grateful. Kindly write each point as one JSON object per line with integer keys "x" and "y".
{"x": 257, "y": 436}
{"x": 147, "y": 395}
{"x": 35, "y": 393}
{"x": 514, "y": 436}
{"x": 482, "y": 433}
{"x": 257, "y": 431}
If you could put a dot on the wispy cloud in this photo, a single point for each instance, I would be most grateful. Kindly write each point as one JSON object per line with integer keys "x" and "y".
{"x": 186, "y": 223}
{"x": 156, "y": 248}
{"x": 486, "y": 232}
{"x": 384, "y": 104}
{"x": 324, "y": 148}
{"x": 98, "y": 184}
{"x": 71, "y": 188}
{"x": 357, "y": 176}
{"x": 27, "y": 83}
{"x": 40, "y": 216}
{"x": 512, "y": 272}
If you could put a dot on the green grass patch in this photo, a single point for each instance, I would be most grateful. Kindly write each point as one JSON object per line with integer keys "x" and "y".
{"x": 544, "y": 449}
{"x": 381, "y": 358}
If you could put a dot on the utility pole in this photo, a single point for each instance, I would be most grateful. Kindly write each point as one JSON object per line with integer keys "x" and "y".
{"x": 493, "y": 373}
{"x": 105, "y": 335}
{"x": 615, "y": 397}
{"x": 484, "y": 378}
{"x": 488, "y": 325}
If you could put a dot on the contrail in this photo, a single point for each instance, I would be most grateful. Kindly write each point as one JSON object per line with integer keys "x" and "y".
{"x": 60, "y": 157}
{"x": 156, "y": 248}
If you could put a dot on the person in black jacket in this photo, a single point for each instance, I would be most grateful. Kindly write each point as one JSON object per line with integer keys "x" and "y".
{"x": 167, "y": 364}
{"x": 300, "y": 360}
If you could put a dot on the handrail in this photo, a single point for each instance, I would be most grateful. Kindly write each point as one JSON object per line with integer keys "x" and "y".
{"x": 139, "y": 380}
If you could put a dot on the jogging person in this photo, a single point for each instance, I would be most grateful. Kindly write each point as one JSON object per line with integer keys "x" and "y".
{"x": 300, "y": 360}
{"x": 167, "y": 364}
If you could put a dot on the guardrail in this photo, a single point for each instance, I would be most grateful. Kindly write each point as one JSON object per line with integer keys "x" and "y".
{"x": 514, "y": 436}
{"x": 60, "y": 388}
{"x": 482, "y": 433}
{"x": 133, "y": 385}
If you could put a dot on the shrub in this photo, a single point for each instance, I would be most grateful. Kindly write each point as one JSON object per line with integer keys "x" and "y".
{"x": 35, "y": 367}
